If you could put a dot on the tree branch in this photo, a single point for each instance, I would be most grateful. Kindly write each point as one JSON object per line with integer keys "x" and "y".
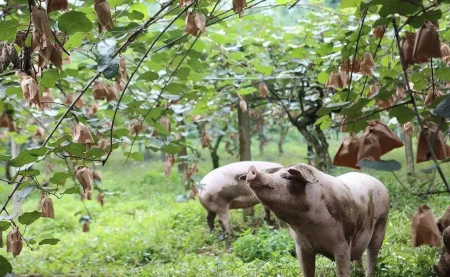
{"x": 134, "y": 72}
{"x": 372, "y": 113}
{"x": 356, "y": 52}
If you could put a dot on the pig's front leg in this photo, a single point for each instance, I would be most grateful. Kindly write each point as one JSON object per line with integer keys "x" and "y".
{"x": 342, "y": 258}
{"x": 267, "y": 216}
{"x": 306, "y": 256}
{"x": 307, "y": 261}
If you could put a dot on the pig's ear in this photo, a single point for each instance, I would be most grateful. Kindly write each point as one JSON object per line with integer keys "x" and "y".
{"x": 302, "y": 173}
{"x": 243, "y": 177}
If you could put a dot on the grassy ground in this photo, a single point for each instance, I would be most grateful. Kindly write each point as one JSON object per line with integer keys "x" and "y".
{"x": 142, "y": 230}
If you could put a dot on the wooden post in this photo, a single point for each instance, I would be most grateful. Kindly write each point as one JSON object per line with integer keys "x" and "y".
{"x": 244, "y": 146}
{"x": 409, "y": 154}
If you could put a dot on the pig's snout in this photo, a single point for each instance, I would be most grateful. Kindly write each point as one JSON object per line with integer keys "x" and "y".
{"x": 252, "y": 173}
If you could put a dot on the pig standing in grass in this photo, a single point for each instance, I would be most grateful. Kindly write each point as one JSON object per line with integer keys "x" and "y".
{"x": 337, "y": 217}
{"x": 222, "y": 190}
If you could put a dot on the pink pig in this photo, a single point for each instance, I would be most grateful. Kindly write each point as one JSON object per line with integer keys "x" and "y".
{"x": 337, "y": 217}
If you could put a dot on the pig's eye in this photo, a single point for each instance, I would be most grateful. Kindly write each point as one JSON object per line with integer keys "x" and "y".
{"x": 287, "y": 176}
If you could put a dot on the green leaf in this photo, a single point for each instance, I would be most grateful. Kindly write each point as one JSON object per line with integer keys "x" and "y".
{"x": 5, "y": 157}
{"x": 13, "y": 90}
{"x": 74, "y": 41}
{"x": 443, "y": 73}
{"x": 149, "y": 76}
{"x": 136, "y": 155}
{"x": 29, "y": 218}
{"x": 171, "y": 149}
{"x": 37, "y": 152}
{"x": 95, "y": 153}
{"x": 183, "y": 73}
{"x": 50, "y": 77}
{"x": 73, "y": 22}
{"x": 5, "y": 266}
{"x": 381, "y": 22}
{"x": 29, "y": 172}
{"x": 72, "y": 190}
{"x": 51, "y": 241}
{"x": 325, "y": 49}
{"x": 108, "y": 66}
{"x": 106, "y": 62}
{"x": 59, "y": 177}
{"x": 135, "y": 15}
{"x": 350, "y": 4}
{"x": 75, "y": 149}
{"x": 266, "y": 70}
{"x": 322, "y": 78}
{"x": 8, "y": 29}
{"x": 356, "y": 107}
{"x": 4, "y": 225}
{"x": 175, "y": 88}
{"x": 22, "y": 159}
{"x": 402, "y": 113}
{"x": 139, "y": 8}
{"x": 247, "y": 90}
{"x": 297, "y": 53}
{"x": 443, "y": 108}
{"x": 59, "y": 141}
{"x": 331, "y": 107}
{"x": 381, "y": 165}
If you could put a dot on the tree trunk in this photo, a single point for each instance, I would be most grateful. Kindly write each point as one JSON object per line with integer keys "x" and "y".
{"x": 309, "y": 153}
{"x": 262, "y": 139}
{"x": 321, "y": 152}
{"x": 244, "y": 146}
{"x": 182, "y": 166}
{"x": 325, "y": 146}
{"x": 244, "y": 135}
{"x": 283, "y": 132}
{"x": 214, "y": 155}
{"x": 409, "y": 154}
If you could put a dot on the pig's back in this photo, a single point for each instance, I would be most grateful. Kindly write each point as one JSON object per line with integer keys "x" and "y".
{"x": 228, "y": 176}
{"x": 364, "y": 186}
{"x": 222, "y": 187}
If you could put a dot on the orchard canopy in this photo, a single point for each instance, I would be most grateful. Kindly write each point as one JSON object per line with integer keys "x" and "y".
{"x": 80, "y": 80}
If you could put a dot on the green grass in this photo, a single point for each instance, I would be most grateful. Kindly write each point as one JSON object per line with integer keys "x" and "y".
{"x": 142, "y": 230}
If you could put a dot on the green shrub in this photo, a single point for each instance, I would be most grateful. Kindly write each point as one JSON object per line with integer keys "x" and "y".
{"x": 263, "y": 245}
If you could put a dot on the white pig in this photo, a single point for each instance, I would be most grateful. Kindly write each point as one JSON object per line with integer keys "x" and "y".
{"x": 222, "y": 190}
{"x": 337, "y": 217}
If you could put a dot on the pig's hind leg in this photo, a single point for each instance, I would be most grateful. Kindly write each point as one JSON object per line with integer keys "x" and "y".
{"x": 374, "y": 246}
{"x": 359, "y": 265}
{"x": 224, "y": 220}
{"x": 343, "y": 263}
{"x": 210, "y": 216}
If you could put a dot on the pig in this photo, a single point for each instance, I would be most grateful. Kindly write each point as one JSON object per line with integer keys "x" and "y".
{"x": 337, "y": 217}
{"x": 442, "y": 269}
{"x": 222, "y": 190}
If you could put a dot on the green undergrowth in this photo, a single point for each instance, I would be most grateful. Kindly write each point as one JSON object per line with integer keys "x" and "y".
{"x": 142, "y": 230}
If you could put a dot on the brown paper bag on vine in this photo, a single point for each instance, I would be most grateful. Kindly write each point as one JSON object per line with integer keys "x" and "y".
{"x": 424, "y": 229}
{"x": 427, "y": 44}
{"x": 388, "y": 140}
{"x": 435, "y": 136}
{"x": 369, "y": 146}
{"x": 347, "y": 154}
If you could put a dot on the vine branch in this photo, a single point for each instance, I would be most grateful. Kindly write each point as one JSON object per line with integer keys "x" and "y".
{"x": 416, "y": 111}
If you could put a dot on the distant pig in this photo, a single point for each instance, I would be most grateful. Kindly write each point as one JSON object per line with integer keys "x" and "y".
{"x": 222, "y": 190}
{"x": 337, "y": 217}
